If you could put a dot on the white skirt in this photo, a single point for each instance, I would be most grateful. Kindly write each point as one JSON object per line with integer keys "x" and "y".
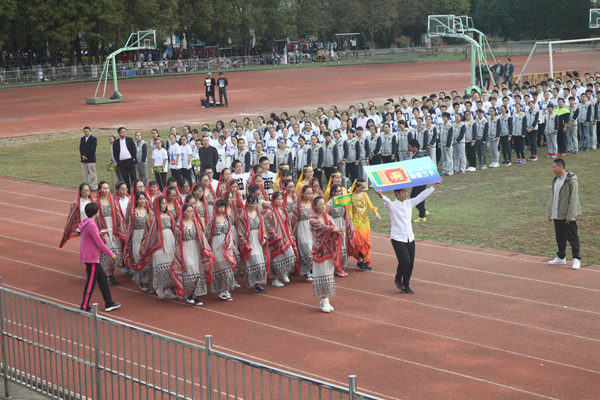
{"x": 304, "y": 241}
{"x": 115, "y": 245}
{"x": 256, "y": 270}
{"x": 161, "y": 262}
{"x": 323, "y": 280}
{"x": 194, "y": 279}
{"x": 223, "y": 279}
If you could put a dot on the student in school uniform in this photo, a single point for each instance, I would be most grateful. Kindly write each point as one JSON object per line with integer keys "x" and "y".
{"x": 505, "y": 133}
{"x": 243, "y": 155}
{"x": 585, "y": 120}
{"x": 458, "y": 145}
{"x": 389, "y": 144}
{"x": 470, "y": 140}
{"x": 421, "y": 134}
{"x": 330, "y": 155}
{"x": 552, "y": 131}
{"x": 365, "y": 151}
{"x": 480, "y": 135}
{"x": 404, "y": 135}
{"x": 531, "y": 127}
{"x": 432, "y": 132}
{"x": 354, "y": 156}
{"x": 342, "y": 146}
{"x": 446, "y": 138}
{"x": 318, "y": 156}
{"x": 374, "y": 146}
{"x": 574, "y": 110}
{"x": 303, "y": 155}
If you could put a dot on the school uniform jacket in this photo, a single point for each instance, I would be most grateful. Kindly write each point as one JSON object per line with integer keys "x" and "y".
{"x": 433, "y": 135}
{"x": 519, "y": 125}
{"x": 317, "y": 159}
{"x": 481, "y": 129}
{"x": 506, "y": 126}
{"x": 354, "y": 154}
{"x": 446, "y": 135}
{"x": 342, "y": 146}
{"x": 389, "y": 144}
{"x": 87, "y": 148}
{"x": 330, "y": 156}
{"x": 459, "y": 133}
{"x": 375, "y": 144}
{"x": 422, "y": 136}
{"x": 365, "y": 149}
{"x": 531, "y": 120}
{"x": 303, "y": 157}
{"x": 551, "y": 124}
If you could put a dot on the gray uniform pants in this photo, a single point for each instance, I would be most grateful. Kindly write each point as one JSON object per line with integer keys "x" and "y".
{"x": 363, "y": 173}
{"x": 481, "y": 151}
{"x": 572, "y": 144}
{"x": 460, "y": 159}
{"x": 403, "y": 156}
{"x": 432, "y": 155}
{"x": 341, "y": 168}
{"x": 447, "y": 160}
{"x": 89, "y": 175}
{"x": 142, "y": 172}
{"x": 593, "y": 137}
{"x": 493, "y": 142}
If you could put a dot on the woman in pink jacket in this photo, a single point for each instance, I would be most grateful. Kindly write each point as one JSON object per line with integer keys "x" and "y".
{"x": 89, "y": 253}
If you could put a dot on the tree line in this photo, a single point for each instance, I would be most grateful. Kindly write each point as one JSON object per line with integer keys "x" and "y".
{"x": 30, "y": 27}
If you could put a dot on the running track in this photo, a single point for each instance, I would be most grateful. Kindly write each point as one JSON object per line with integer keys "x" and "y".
{"x": 483, "y": 324}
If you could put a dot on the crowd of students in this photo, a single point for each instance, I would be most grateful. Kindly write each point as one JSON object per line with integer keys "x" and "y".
{"x": 260, "y": 198}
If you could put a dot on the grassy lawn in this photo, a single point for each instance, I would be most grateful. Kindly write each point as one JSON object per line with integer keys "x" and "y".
{"x": 502, "y": 208}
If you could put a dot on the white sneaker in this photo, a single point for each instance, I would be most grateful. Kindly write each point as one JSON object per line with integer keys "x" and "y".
{"x": 330, "y": 306}
{"x": 223, "y": 296}
{"x": 286, "y": 279}
{"x": 576, "y": 264}
{"x": 169, "y": 294}
{"x": 325, "y": 305}
{"x": 236, "y": 285}
{"x": 309, "y": 277}
{"x": 229, "y": 298}
{"x": 558, "y": 261}
{"x": 471, "y": 169}
{"x": 276, "y": 283}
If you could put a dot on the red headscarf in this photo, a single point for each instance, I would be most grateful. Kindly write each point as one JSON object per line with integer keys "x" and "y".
{"x": 153, "y": 237}
{"x": 228, "y": 243}
{"x": 73, "y": 220}
{"x": 206, "y": 211}
{"x": 117, "y": 220}
{"x": 149, "y": 190}
{"x": 178, "y": 264}
{"x": 261, "y": 186}
{"x": 220, "y": 184}
{"x": 244, "y": 234}
{"x": 177, "y": 202}
{"x": 327, "y": 244}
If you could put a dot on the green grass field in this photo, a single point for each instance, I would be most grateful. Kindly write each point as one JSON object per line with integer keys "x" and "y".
{"x": 503, "y": 208}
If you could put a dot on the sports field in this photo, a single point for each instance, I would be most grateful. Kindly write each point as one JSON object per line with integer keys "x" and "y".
{"x": 484, "y": 323}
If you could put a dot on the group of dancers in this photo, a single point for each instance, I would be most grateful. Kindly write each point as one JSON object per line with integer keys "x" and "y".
{"x": 187, "y": 239}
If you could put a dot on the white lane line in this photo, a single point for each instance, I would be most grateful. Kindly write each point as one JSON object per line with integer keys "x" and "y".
{"x": 31, "y": 183}
{"x": 495, "y": 273}
{"x": 35, "y": 225}
{"x": 39, "y": 244}
{"x": 482, "y": 253}
{"x": 191, "y": 339}
{"x": 42, "y": 198}
{"x": 354, "y": 347}
{"x": 43, "y": 211}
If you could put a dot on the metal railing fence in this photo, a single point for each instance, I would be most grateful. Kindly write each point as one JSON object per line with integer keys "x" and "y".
{"x": 67, "y": 353}
{"x": 132, "y": 70}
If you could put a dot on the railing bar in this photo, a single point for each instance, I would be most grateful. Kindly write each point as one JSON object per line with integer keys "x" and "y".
{"x": 77, "y": 318}
{"x": 290, "y": 387}
{"x": 200, "y": 374}
{"x": 131, "y": 363}
{"x": 252, "y": 374}
{"x": 110, "y": 361}
{"x": 62, "y": 367}
{"x": 68, "y": 387}
{"x": 139, "y": 364}
{"x": 184, "y": 377}
{"x": 271, "y": 384}
{"x": 19, "y": 329}
{"x": 124, "y": 363}
{"x": 153, "y": 368}
{"x": 234, "y": 380}
{"x": 309, "y": 391}
{"x": 280, "y": 387}
{"x": 46, "y": 331}
{"x": 29, "y": 331}
{"x": 244, "y": 380}
{"x": 168, "y": 366}
{"x": 176, "y": 369}
{"x": 160, "y": 366}
{"x": 146, "y": 364}
{"x": 226, "y": 380}
{"x": 218, "y": 378}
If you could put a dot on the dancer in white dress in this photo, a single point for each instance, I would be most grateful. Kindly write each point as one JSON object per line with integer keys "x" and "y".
{"x": 112, "y": 227}
{"x": 254, "y": 246}
{"x": 301, "y": 230}
{"x": 342, "y": 220}
{"x": 282, "y": 245}
{"x": 220, "y": 233}
{"x": 137, "y": 216}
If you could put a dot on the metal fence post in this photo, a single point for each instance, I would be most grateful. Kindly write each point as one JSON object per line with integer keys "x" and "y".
{"x": 96, "y": 350}
{"x": 351, "y": 386}
{"x": 209, "y": 381}
{"x": 3, "y": 341}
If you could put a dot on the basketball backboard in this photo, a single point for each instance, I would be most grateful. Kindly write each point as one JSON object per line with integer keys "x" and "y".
{"x": 463, "y": 24}
{"x": 146, "y": 39}
{"x": 595, "y": 18}
{"x": 440, "y": 25}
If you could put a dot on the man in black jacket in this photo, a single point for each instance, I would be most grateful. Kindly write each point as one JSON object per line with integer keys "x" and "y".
{"x": 222, "y": 84}
{"x": 508, "y": 71}
{"x": 497, "y": 71}
{"x": 208, "y": 155}
{"x": 414, "y": 146}
{"x": 87, "y": 151}
{"x": 210, "y": 84}
{"x": 124, "y": 153}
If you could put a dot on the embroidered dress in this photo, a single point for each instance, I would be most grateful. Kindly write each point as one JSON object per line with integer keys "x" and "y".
{"x": 304, "y": 240}
{"x": 342, "y": 220}
{"x": 163, "y": 257}
{"x": 194, "y": 279}
{"x": 112, "y": 241}
{"x": 201, "y": 208}
{"x": 236, "y": 239}
{"x": 281, "y": 246}
{"x": 145, "y": 275}
{"x": 362, "y": 228}
{"x": 327, "y": 254}
{"x": 223, "y": 279}
{"x": 256, "y": 271}
{"x": 210, "y": 202}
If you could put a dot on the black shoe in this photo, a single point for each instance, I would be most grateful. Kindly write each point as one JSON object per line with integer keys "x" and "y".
{"x": 407, "y": 289}
{"x": 113, "y": 307}
{"x": 399, "y": 285}
{"x": 112, "y": 280}
{"x": 367, "y": 266}
{"x": 362, "y": 265}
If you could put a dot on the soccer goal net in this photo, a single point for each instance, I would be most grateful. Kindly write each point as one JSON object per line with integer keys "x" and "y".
{"x": 558, "y": 58}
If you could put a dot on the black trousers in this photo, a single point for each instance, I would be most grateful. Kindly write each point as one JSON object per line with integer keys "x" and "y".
{"x": 387, "y": 159}
{"x": 176, "y": 173}
{"x": 506, "y": 150}
{"x": 127, "y": 169}
{"x": 519, "y": 147}
{"x": 566, "y": 233}
{"x": 405, "y": 254}
{"x": 416, "y": 190}
{"x": 223, "y": 92}
{"x": 94, "y": 273}
{"x": 318, "y": 174}
{"x": 208, "y": 96}
{"x": 187, "y": 174}
{"x": 532, "y": 137}
{"x": 161, "y": 179}
{"x": 353, "y": 171}
{"x": 541, "y": 137}
{"x": 328, "y": 172}
{"x": 376, "y": 160}
{"x": 471, "y": 155}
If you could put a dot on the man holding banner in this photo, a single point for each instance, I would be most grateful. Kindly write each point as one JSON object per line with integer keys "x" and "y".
{"x": 399, "y": 177}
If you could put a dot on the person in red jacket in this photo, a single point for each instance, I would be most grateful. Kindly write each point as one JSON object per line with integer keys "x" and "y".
{"x": 89, "y": 253}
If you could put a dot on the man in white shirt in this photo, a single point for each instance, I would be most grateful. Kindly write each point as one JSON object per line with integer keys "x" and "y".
{"x": 403, "y": 239}
{"x": 174, "y": 158}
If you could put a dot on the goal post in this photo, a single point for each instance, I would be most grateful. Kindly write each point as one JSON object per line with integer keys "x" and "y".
{"x": 557, "y": 58}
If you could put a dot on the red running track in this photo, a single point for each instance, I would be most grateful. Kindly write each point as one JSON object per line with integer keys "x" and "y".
{"x": 483, "y": 323}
